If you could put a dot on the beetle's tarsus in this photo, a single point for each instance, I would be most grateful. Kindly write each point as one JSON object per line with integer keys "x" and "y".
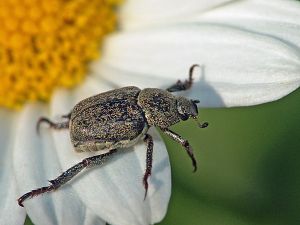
{"x": 187, "y": 84}
{"x": 195, "y": 167}
{"x": 23, "y": 198}
{"x": 67, "y": 175}
{"x": 149, "y": 142}
{"x": 191, "y": 155}
{"x": 35, "y": 192}
{"x": 42, "y": 120}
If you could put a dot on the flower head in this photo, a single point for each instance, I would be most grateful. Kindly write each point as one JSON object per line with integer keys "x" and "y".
{"x": 48, "y": 44}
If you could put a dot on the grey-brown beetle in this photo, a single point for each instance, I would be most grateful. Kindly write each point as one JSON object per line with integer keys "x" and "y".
{"x": 118, "y": 119}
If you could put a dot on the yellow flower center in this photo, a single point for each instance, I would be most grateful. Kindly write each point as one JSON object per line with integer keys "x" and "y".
{"x": 45, "y": 44}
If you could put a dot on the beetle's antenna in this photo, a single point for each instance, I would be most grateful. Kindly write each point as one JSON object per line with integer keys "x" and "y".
{"x": 201, "y": 125}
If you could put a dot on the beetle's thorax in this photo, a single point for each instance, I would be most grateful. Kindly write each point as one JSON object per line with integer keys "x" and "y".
{"x": 159, "y": 107}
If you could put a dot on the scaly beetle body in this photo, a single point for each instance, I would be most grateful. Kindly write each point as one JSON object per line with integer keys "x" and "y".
{"x": 119, "y": 119}
{"x": 108, "y": 121}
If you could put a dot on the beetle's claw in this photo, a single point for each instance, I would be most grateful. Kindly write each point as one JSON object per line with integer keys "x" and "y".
{"x": 37, "y": 128}
{"x": 195, "y": 168}
{"x": 194, "y": 164}
{"x": 42, "y": 120}
{"x": 145, "y": 182}
{"x": 20, "y": 202}
{"x": 23, "y": 198}
{"x": 145, "y": 194}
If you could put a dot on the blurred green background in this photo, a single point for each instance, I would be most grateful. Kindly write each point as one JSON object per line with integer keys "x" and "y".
{"x": 248, "y": 167}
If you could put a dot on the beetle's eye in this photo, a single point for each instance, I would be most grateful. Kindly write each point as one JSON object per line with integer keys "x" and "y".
{"x": 184, "y": 117}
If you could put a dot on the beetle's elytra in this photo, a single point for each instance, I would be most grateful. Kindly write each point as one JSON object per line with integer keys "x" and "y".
{"x": 119, "y": 118}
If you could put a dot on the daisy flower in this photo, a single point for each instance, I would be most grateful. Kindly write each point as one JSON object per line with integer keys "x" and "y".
{"x": 249, "y": 52}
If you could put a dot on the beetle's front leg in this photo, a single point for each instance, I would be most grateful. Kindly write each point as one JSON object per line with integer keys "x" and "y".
{"x": 187, "y": 84}
{"x": 184, "y": 143}
{"x": 57, "y": 126}
{"x": 68, "y": 175}
{"x": 149, "y": 142}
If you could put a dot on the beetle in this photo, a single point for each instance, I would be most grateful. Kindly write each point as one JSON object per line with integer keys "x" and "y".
{"x": 119, "y": 119}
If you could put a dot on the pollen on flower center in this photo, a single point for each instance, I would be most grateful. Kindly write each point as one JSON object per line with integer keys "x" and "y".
{"x": 45, "y": 44}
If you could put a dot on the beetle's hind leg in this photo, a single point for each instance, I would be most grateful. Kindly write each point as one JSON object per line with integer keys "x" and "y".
{"x": 187, "y": 84}
{"x": 68, "y": 175}
{"x": 57, "y": 126}
{"x": 149, "y": 142}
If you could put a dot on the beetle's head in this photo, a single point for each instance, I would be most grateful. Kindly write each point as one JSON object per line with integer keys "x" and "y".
{"x": 188, "y": 109}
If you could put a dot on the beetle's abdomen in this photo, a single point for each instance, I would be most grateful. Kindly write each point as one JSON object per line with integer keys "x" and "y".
{"x": 159, "y": 107}
{"x": 112, "y": 119}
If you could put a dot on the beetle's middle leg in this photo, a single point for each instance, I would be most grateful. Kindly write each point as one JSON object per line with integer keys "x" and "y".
{"x": 149, "y": 142}
{"x": 187, "y": 84}
{"x": 57, "y": 126}
{"x": 184, "y": 143}
{"x": 68, "y": 175}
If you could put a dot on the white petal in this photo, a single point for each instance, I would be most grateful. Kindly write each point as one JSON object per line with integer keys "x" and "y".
{"x": 278, "y": 19}
{"x": 36, "y": 162}
{"x": 92, "y": 219}
{"x": 10, "y": 212}
{"x": 115, "y": 192}
{"x": 240, "y": 67}
{"x": 142, "y": 13}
